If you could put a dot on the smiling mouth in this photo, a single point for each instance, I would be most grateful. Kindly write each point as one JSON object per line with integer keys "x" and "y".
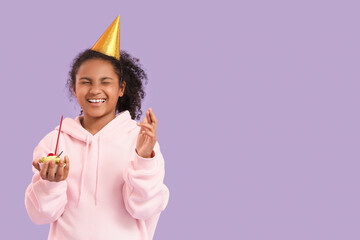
{"x": 96, "y": 100}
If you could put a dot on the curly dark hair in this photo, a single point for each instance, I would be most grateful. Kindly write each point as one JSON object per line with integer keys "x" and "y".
{"x": 128, "y": 69}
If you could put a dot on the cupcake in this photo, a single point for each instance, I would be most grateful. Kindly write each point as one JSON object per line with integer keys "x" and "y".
{"x": 50, "y": 158}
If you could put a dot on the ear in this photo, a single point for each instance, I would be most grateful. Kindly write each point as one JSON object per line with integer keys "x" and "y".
{"x": 73, "y": 89}
{"x": 122, "y": 89}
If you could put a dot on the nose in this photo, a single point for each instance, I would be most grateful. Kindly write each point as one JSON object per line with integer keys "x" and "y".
{"x": 95, "y": 89}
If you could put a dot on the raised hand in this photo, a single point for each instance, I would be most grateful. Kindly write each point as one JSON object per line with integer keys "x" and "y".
{"x": 147, "y": 136}
{"x": 47, "y": 172}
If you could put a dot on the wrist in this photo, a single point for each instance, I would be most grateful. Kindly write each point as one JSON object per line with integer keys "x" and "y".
{"x": 145, "y": 155}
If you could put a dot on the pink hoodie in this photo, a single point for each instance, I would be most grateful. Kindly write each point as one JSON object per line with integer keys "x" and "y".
{"x": 110, "y": 192}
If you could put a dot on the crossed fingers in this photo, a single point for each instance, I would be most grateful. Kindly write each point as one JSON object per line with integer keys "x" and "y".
{"x": 149, "y": 123}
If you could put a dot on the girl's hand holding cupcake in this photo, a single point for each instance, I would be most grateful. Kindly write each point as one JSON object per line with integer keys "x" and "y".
{"x": 47, "y": 171}
{"x": 147, "y": 136}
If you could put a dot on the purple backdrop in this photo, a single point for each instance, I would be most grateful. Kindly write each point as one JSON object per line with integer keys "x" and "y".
{"x": 257, "y": 105}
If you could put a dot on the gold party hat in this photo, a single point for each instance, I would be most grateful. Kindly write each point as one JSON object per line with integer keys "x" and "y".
{"x": 109, "y": 42}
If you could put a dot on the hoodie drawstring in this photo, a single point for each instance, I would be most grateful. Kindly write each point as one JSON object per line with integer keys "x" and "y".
{"x": 97, "y": 172}
{"x": 83, "y": 169}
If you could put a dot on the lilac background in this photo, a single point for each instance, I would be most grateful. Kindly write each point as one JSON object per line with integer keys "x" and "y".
{"x": 257, "y": 103}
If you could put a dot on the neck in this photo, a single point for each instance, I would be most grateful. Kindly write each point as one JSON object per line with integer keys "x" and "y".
{"x": 93, "y": 125}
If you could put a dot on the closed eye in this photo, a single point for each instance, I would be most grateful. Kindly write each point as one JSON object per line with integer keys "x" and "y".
{"x": 85, "y": 80}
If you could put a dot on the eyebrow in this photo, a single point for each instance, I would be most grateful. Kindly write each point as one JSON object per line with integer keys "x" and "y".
{"x": 87, "y": 78}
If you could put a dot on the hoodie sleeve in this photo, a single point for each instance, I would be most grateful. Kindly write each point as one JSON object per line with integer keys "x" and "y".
{"x": 44, "y": 200}
{"x": 145, "y": 194}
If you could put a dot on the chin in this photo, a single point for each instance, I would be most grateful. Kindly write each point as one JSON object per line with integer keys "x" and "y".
{"x": 97, "y": 114}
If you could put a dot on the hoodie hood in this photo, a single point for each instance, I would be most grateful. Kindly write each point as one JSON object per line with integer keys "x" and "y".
{"x": 74, "y": 128}
{"x": 122, "y": 124}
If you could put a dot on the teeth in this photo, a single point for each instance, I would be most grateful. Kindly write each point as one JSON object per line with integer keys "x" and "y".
{"x": 96, "y": 100}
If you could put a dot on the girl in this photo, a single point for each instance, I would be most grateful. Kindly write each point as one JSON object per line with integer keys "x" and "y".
{"x": 110, "y": 184}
